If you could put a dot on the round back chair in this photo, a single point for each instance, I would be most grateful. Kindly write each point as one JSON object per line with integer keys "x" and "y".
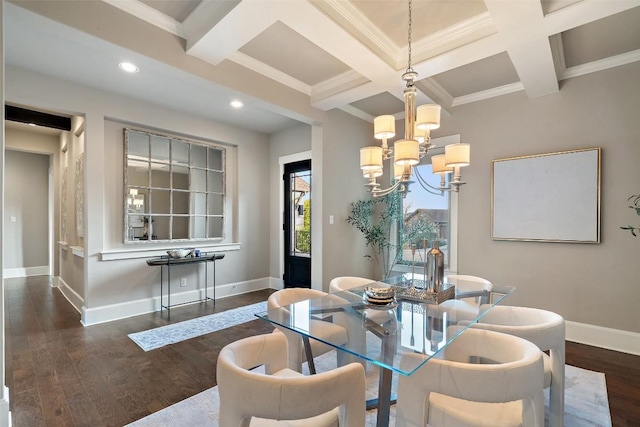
{"x": 247, "y": 397}
{"x": 453, "y": 391}
{"x": 545, "y": 329}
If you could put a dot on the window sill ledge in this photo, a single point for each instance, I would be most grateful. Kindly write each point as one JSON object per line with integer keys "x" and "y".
{"x": 147, "y": 253}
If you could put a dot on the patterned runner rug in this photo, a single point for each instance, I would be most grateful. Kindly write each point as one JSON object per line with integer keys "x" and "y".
{"x": 176, "y": 332}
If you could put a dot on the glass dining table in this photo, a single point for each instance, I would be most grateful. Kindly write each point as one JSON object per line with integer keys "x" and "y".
{"x": 416, "y": 321}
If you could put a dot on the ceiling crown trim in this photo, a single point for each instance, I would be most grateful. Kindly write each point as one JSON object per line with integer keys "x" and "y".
{"x": 487, "y": 94}
{"x": 270, "y": 72}
{"x": 450, "y": 38}
{"x": 150, "y": 15}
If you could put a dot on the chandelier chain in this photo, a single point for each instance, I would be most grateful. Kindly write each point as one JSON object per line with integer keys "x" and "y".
{"x": 409, "y": 38}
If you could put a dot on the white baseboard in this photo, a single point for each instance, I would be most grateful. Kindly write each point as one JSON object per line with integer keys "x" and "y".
{"x": 598, "y": 336}
{"x": 5, "y": 414}
{"x": 108, "y": 313}
{"x": 42, "y": 270}
{"x": 275, "y": 283}
{"x": 72, "y": 296}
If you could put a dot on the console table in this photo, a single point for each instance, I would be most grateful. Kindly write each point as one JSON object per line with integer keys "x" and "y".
{"x": 167, "y": 261}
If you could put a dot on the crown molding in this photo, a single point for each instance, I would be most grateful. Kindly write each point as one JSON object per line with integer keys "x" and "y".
{"x": 350, "y": 109}
{"x": 150, "y": 15}
{"x": 336, "y": 84}
{"x": 270, "y": 72}
{"x": 467, "y": 31}
{"x": 343, "y": 10}
{"x": 489, "y": 93}
{"x": 599, "y": 65}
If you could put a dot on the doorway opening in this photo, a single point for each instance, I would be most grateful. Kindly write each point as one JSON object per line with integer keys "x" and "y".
{"x": 297, "y": 224}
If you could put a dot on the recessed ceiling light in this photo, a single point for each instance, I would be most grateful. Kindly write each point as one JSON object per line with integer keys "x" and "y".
{"x": 236, "y": 104}
{"x": 31, "y": 124}
{"x": 128, "y": 67}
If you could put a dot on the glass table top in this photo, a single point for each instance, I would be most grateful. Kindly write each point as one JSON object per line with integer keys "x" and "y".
{"x": 381, "y": 333}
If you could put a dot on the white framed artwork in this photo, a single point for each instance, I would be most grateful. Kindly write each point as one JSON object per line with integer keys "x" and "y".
{"x": 553, "y": 197}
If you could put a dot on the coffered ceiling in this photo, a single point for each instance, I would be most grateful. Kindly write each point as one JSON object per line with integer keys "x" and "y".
{"x": 351, "y": 54}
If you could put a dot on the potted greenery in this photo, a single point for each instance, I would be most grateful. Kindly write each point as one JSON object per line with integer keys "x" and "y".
{"x": 376, "y": 218}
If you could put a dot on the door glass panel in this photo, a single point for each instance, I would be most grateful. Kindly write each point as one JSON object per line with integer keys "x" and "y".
{"x": 300, "y": 213}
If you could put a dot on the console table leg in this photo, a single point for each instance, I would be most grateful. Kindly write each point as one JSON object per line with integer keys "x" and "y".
{"x": 168, "y": 290}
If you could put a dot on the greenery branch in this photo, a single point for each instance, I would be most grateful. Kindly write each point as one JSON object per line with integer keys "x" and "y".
{"x": 375, "y": 219}
{"x": 635, "y": 205}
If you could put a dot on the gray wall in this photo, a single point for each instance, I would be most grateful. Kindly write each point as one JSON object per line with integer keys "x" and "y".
{"x": 26, "y": 242}
{"x": 284, "y": 143}
{"x": 343, "y": 245}
{"x": 589, "y": 283}
{"x": 123, "y": 281}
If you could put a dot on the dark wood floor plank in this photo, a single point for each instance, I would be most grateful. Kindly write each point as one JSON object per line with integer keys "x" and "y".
{"x": 60, "y": 373}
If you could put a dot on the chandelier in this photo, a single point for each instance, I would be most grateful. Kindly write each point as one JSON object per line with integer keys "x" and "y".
{"x": 407, "y": 153}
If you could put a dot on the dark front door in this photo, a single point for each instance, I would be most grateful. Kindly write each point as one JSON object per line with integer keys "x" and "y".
{"x": 297, "y": 224}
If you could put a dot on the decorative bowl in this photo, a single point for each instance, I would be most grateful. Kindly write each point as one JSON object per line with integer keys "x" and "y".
{"x": 379, "y": 296}
{"x": 379, "y": 293}
{"x": 179, "y": 253}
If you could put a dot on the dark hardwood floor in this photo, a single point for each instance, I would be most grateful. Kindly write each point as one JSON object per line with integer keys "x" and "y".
{"x": 60, "y": 373}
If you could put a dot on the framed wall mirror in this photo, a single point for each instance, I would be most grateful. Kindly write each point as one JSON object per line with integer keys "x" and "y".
{"x": 174, "y": 188}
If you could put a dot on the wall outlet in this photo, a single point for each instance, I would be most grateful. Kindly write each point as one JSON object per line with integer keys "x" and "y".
{"x": 183, "y": 281}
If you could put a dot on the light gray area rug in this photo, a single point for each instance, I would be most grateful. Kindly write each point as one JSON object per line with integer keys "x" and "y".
{"x": 586, "y": 402}
{"x": 176, "y": 332}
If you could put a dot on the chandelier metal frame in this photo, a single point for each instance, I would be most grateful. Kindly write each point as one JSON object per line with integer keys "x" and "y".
{"x": 408, "y": 152}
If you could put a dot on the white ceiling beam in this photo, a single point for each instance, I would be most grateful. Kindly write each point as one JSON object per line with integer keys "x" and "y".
{"x": 243, "y": 23}
{"x": 584, "y": 12}
{"x": 520, "y": 24}
{"x": 149, "y": 15}
{"x": 204, "y": 17}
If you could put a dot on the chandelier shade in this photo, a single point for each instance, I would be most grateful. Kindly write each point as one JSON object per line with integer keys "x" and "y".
{"x": 384, "y": 127}
{"x": 407, "y": 152}
{"x": 438, "y": 164}
{"x": 428, "y": 116}
{"x": 457, "y": 155}
{"x": 370, "y": 158}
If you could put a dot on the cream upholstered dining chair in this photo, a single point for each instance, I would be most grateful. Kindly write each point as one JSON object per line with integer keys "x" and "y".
{"x": 545, "y": 329}
{"x": 343, "y": 283}
{"x": 468, "y": 308}
{"x": 249, "y": 398}
{"x": 331, "y": 331}
{"x": 357, "y": 338}
{"x": 505, "y": 390}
